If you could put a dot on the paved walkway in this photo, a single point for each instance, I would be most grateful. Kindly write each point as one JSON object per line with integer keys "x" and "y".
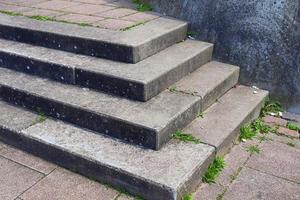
{"x": 272, "y": 174}
{"x": 110, "y": 14}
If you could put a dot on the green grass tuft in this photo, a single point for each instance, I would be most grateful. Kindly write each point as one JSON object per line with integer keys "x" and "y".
{"x": 42, "y": 18}
{"x": 271, "y": 107}
{"x": 10, "y": 13}
{"x": 200, "y": 114}
{"x": 291, "y": 144}
{"x": 293, "y": 126}
{"x": 260, "y": 126}
{"x": 172, "y": 88}
{"x": 253, "y": 149}
{"x": 214, "y": 170}
{"x": 192, "y": 33}
{"x": 142, "y": 6}
{"x": 247, "y": 132}
{"x": 188, "y": 197}
{"x": 180, "y": 135}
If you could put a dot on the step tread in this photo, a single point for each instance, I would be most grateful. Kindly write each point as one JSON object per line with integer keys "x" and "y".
{"x": 222, "y": 121}
{"x": 209, "y": 82}
{"x": 156, "y": 115}
{"x": 154, "y": 73}
{"x": 170, "y": 168}
{"x": 139, "y": 37}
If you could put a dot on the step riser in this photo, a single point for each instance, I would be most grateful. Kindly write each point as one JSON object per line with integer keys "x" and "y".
{"x": 71, "y": 44}
{"x": 127, "y": 131}
{"x": 103, "y": 82}
{"x": 93, "y": 170}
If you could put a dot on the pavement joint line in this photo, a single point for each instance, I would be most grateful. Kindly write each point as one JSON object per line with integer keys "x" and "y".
{"x": 35, "y": 183}
{"x": 292, "y": 181}
{"x": 23, "y": 165}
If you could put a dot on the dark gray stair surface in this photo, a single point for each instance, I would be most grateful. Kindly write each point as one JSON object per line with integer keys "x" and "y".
{"x": 149, "y": 124}
{"x": 140, "y": 81}
{"x": 170, "y": 173}
{"x": 129, "y": 46}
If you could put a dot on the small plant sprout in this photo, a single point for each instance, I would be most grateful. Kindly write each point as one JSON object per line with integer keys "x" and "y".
{"x": 293, "y": 126}
{"x": 180, "y": 135}
{"x": 260, "y": 126}
{"x": 253, "y": 149}
{"x": 272, "y": 108}
{"x": 172, "y": 88}
{"x": 142, "y": 6}
{"x": 291, "y": 144}
{"x": 188, "y": 197}
{"x": 200, "y": 114}
{"x": 247, "y": 133}
{"x": 214, "y": 170}
{"x": 42, "y": 116}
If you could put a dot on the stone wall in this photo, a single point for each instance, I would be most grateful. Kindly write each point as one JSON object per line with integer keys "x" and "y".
{"x": 261, "y": 36}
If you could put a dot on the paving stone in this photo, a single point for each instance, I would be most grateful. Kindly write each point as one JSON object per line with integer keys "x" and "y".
{"x": 116, "y": 13}
{"x": 13, "y": 8}
{"x": 55, "y": 4}
{"x": 252, "y": 184}
{"x": 277, "y": 159}
{"x": 95, "y": 1}
{"x": 221, "y": 123}
{"x": 42, "y": 12}
{"x": 26, "y": 159}
{"x": 114, "y": 24}
{"x": 287, "y": 132}
{"x": 208, "y": 192}
{"x": 235, "y": 160}
{"x": 291, "y": 116}
{"x": 15, "y": 179}
{"x": 64, "y": 185}
{"x": 123, "y": 3}
{"x": 23, "y": 2}
{"x": 77, "y": 18}
{"x": 87, "y": 9}
{"x": 274, "y": 121}
{"x": 285, "y": 140}
{"x": 141, "y": 17}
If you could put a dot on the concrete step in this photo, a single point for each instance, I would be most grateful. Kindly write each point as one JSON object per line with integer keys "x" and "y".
{"x": 221, "y": 123}
{"x": 140, "y": 81}
{"x": 173, "y": 171}
{"x": 129, "y": 46}
{"x": 149, "y": 124}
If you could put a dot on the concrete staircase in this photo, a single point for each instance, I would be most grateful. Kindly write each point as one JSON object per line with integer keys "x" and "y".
{"x": 113, "y": 121}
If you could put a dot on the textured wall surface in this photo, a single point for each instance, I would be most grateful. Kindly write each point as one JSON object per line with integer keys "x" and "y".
{"x": 261, "y": 36}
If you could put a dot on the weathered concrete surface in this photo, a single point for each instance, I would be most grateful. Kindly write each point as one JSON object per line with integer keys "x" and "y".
{"x": 261, "y": 36}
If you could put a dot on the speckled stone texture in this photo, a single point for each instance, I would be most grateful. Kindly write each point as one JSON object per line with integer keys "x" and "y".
{"x": 261, "y": 36}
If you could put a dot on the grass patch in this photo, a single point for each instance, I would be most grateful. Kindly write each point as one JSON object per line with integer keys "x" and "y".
{"x": 293, "y": 126}
{"x": 142, "y": 6}
{"x": 260, "y": 126}
{"x": 180, "y": 135}
{"x": 10, "y": 13}
{"x": 172, "y": 88}
{"x": 291, "y": 144}
{"x": 253, "y": 149}
{"x": 200, "y": 114}
{"x": 271, "y": 107}
{"x": 42, "y": 18}
{"x": 192, "y": 33}
{"x": 132, "y": 26}
{"x": 247, "y": 132}
{"x": 214, "y": 170}
{"x": 188, "y": 197}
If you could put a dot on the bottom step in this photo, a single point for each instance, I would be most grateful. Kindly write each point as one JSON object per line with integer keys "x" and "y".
{"x": 173, "y": 171}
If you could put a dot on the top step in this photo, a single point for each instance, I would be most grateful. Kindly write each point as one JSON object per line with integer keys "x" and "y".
{"x": 130, "y": 46}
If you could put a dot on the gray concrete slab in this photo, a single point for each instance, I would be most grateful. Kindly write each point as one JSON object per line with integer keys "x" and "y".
{"x": 168, "y": 173}
{"x": 252, "y": 184}
{"x": 133, "y": 45}
{"x": 210, "y": 82}
{"x": 277, "y": 159}
{"x": 15, "y": 179}
{"x": 65, "y": 185}
{"x": 221, "y": 123}
{"x": 140, "y": 81}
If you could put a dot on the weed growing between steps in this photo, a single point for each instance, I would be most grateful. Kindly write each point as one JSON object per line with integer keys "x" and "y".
{"x": 142, "y": 6}
{"x": 271, "y": 108}
{"x": 214, "y": 170}
{"x": 180, "y": 135}
{"x": 249, "y": 131}
{"x": 293, "y": 126}
{"x": 253, "y": 149}
{"x": 188, "y": 197}
{"x": 132, "y": 26}
{"x": 172, "y": 88}
{"x": 200, "y": 114}
{"x": 10, "y": 13}
{"x": 291, "y": 144}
